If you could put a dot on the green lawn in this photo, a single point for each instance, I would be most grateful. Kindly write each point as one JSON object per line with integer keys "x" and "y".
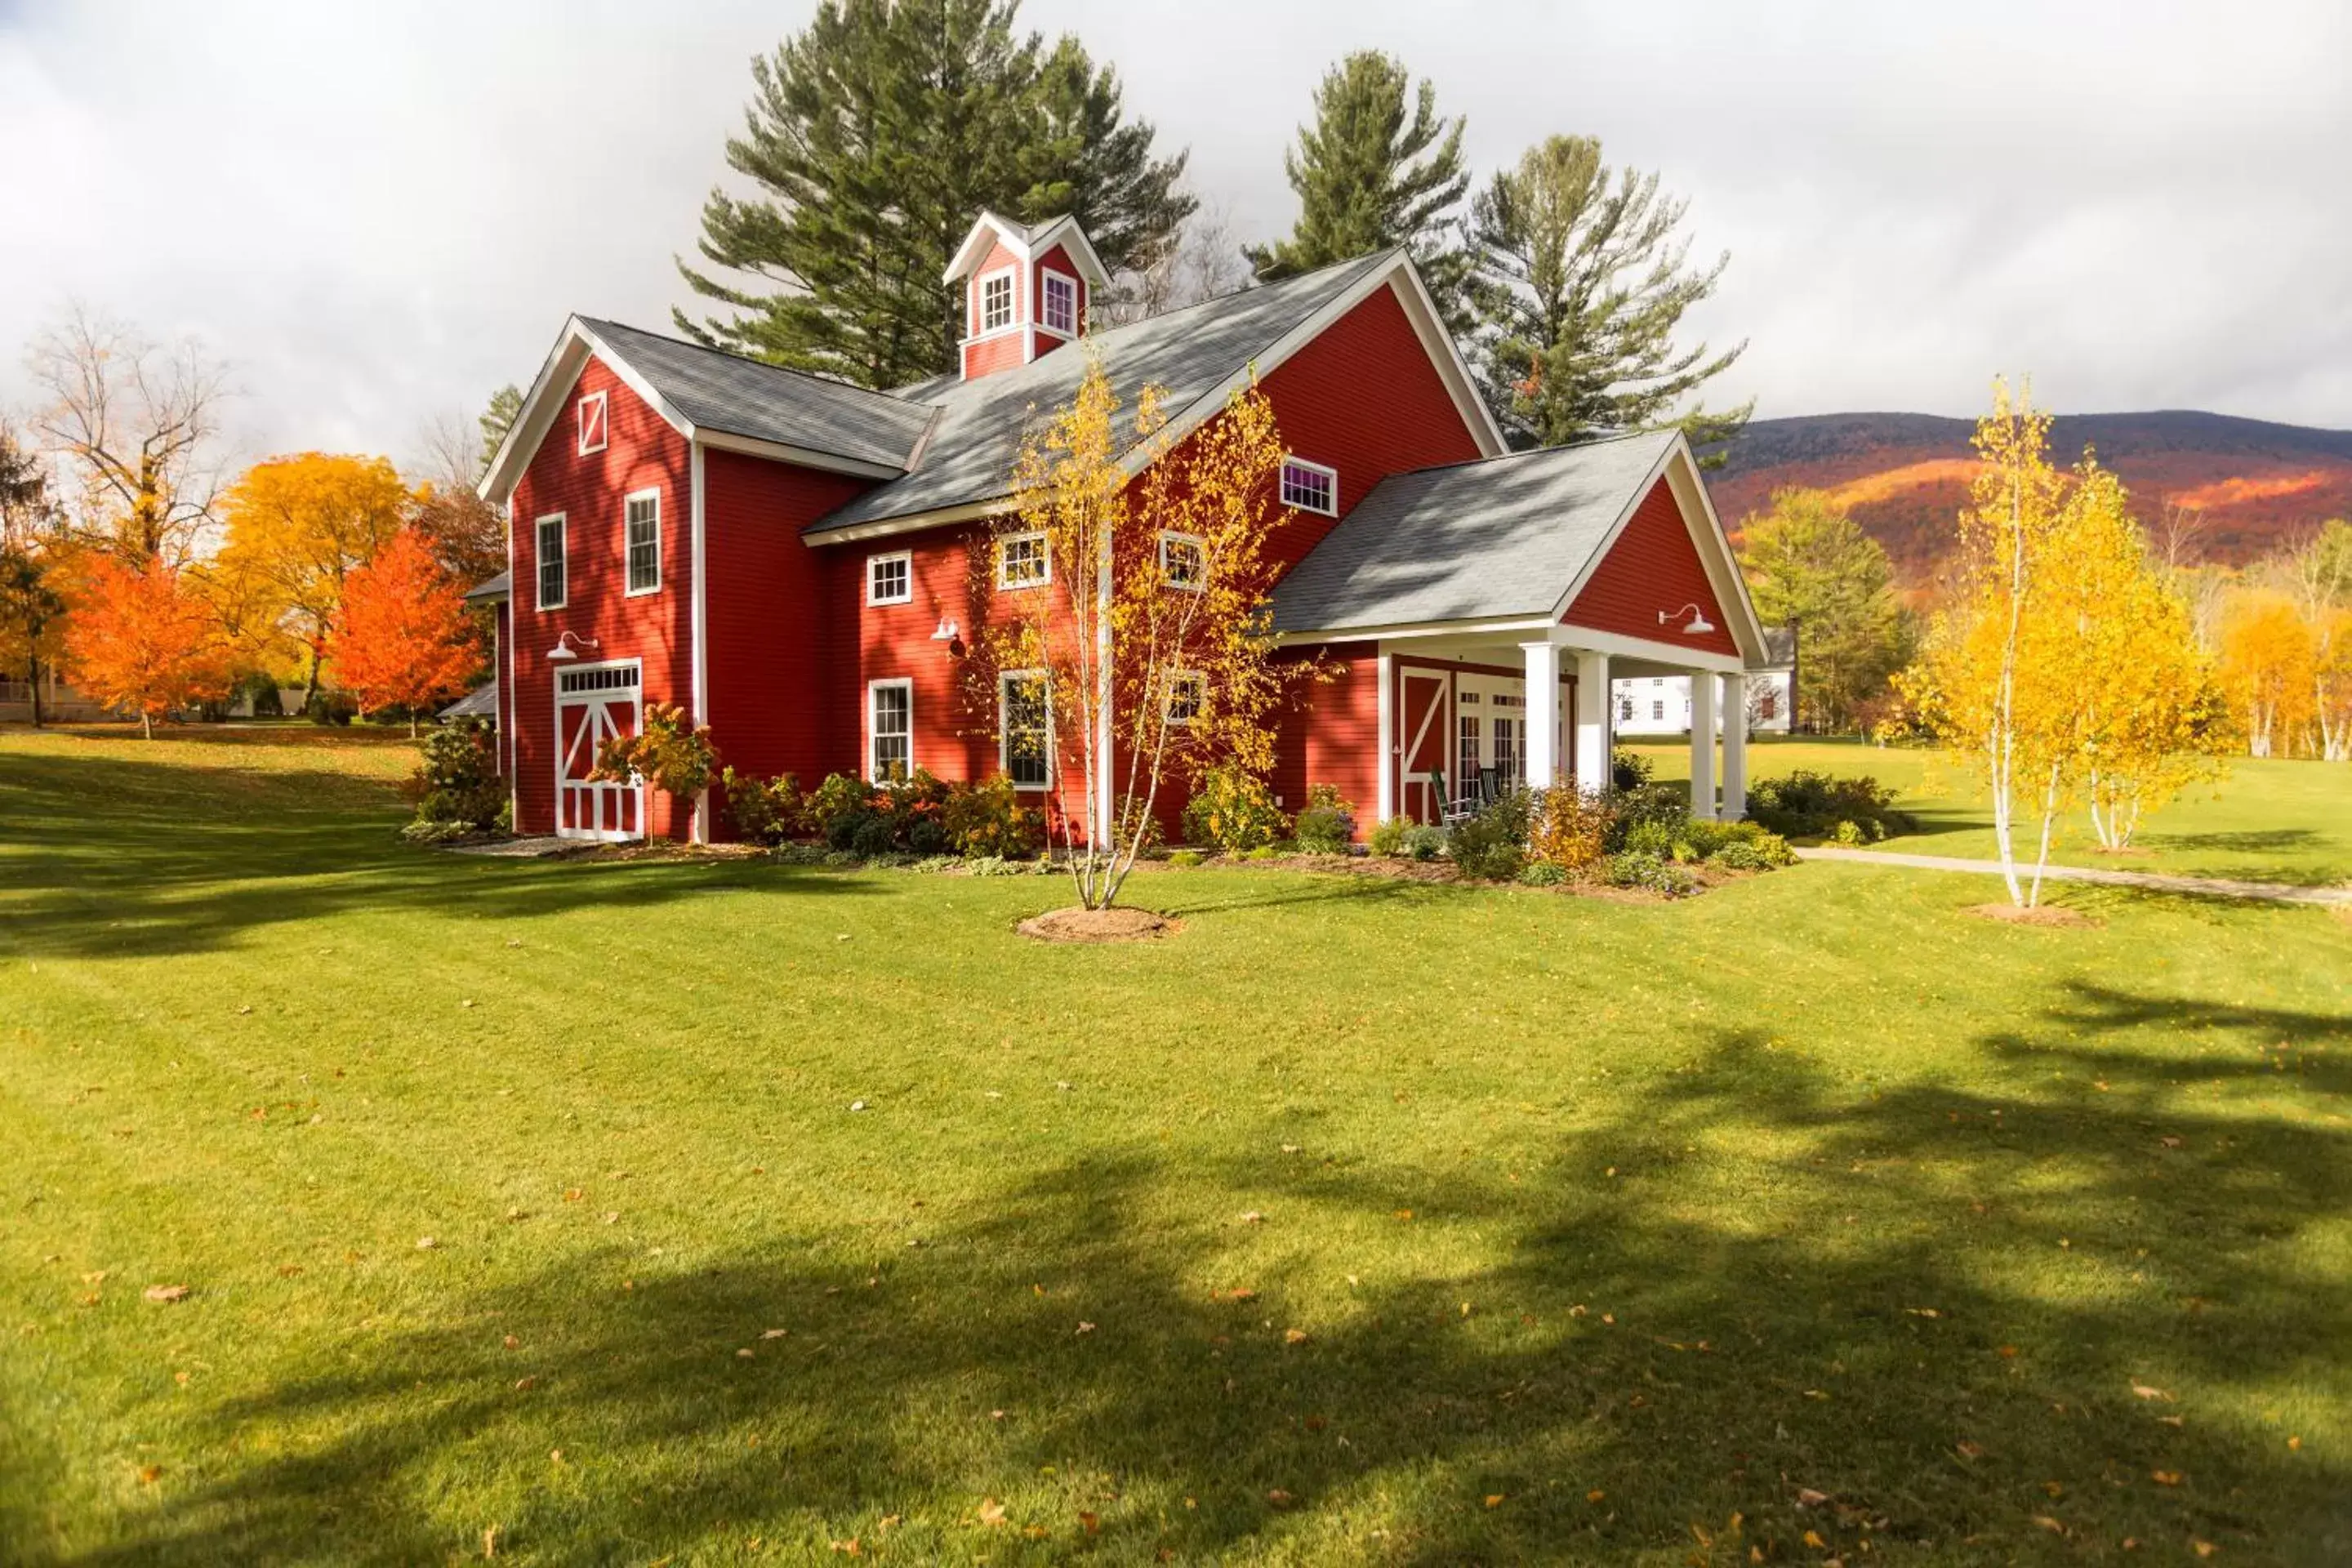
{"x": 2266, "y": 821}
{"x": 1813, "y": 1210}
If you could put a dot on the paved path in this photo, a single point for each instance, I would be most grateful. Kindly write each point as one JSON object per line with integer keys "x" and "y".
{"x": 2210, "y": 887}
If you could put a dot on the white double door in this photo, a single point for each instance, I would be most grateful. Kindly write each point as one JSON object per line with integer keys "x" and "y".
{"x": 592, "y": 705}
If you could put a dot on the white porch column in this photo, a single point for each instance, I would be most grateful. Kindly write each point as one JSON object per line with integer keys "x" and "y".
{"x": 1540, "y": 753}
{"x": 1735, "y": 746}
{"x": 1385, "y": 667}
{"x": 1592, "y": 721}
{"x": 1702, "y": 741}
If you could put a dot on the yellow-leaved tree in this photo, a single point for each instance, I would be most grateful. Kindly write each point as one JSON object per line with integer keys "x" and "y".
{"x": 1128, "y": 629}
{"x": 2269, "y": 663}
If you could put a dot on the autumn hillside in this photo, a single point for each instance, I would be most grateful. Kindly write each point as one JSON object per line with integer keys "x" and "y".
{"x": 1905, "y": 475}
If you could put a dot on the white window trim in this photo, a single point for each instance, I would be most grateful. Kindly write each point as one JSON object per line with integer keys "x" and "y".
{"x": 1012, "y": 323}
{"x": 1005, "y": 734}
{"x": 1045, "y": 561}
{"x": 1044, "y": 297}
{"x": 1295, "y": 461}
{"x": 604, "y": 422}
{"x": 873, "y": 762}
{"x": 628, "y": 592}
{"x": 1171, "y": 536}
{"x": 1175, "y": 677}
{"x": 905, "y": 595}
{"x": 562, "y": 522}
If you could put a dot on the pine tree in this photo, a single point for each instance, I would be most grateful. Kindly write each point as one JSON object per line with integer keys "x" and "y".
{"x": 1373, "y": 171}
{"x": 506, "y": 407}
{"x": 1581, "y": 284}
{"x": 876, "y": 136}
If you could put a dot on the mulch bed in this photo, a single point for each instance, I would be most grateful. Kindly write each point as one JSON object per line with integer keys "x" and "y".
{"x": 1117, "y": 923}
{"x": 2039, "y": 915}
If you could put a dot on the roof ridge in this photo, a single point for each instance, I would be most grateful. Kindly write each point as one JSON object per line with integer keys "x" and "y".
{"x": 835, "y": 383}
{"x": 1253, "y": 286}
{"x": 1534, "y": 452}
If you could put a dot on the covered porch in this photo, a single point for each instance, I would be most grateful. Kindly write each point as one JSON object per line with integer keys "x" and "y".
{"x": 1459, "y": 722}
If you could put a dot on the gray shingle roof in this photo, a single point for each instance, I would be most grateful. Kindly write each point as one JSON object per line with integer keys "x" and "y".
{"x": 738, "y": 396}
{"x": 497, "y": 588}
{"x": 1481, "y": 541}
{"x": 1191, "y": 353}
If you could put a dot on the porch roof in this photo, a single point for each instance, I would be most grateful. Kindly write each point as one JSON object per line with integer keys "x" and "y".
{"x": 1481, "y": 541}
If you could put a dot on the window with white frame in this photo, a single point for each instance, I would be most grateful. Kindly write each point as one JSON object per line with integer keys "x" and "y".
{"x": 1310, "y": 487}
{"x": 890, "y": 579}
{"x": 996, "y": 302}
{"x": 1021, "y": 562}
{"x": 644, "y": 525}
{"x": 1183, "y": 560}
{"x": 552, "y": 581}
{"x": 1025, "y": 728}
{"x": 1059, "y": 295}
{"x": 1467, "y": 735}
{"x": 1188, "y": 694}
{"x": 591, "y": 423}
{"x": 1657, "y": 711}
{"x": 890, "y": 729}
{"x": 1625, "y": 710}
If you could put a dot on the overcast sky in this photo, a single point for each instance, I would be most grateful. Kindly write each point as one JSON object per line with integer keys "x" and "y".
{"x": 379, "y": 213}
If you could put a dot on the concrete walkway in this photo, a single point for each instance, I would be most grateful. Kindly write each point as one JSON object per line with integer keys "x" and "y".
{"x": 2207, "y": 886}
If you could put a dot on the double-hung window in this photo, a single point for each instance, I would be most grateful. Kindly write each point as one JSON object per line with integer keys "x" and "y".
{"x": 1310, "y": 487}
{"x": 890, "y": 579}
{"x": 1188, "y": 693}
{"x": 591, "y": 423}
{"x": 552, "y": 579}
{"x": 890, "y": 729}
{"x": 644, "y": 525}
{"x": 1059, "y": 295}
{"x": 1021, "y": 562}
{"x": 1183, "y": 560}
{"x": 996, "y": 302}
{"x": 1024, "y": 729}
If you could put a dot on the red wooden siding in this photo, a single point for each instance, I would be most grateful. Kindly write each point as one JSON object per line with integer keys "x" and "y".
{"x": 769, "y": 602}
{"x": 1058, "y": 260}
{"x": 1363, "y": 398}
{"x": 641, "y": 452}
{"x": 1654, "y": 566}
{"x": 1334, "y": 737}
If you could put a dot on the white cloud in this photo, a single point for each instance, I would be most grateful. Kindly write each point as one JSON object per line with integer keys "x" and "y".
{"x": 377, "y": 214}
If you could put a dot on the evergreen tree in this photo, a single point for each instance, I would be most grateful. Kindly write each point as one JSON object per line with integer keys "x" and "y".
{"x": 506, "y": 405}
{"x": 876, "y": 136}
{"x": 1811, "y": 566}
{"x": 1373, "y": 171}
{"x": 1581, "y": 284}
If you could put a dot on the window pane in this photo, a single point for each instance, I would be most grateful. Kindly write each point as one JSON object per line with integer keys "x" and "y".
{"x": 996, "y": 302}
{"x": 551, "y": 563}
{"x": 1061, "y": 303}
{"x": 645, "y": 544}
{"x": 1022, "y": 713}
{"x": 1307, "y": 488}
{"x": 891, "y": 724}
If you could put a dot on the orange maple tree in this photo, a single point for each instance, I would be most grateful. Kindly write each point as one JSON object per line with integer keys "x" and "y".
{"x": 142, "y": 640}
{"x": 402, "y": 637}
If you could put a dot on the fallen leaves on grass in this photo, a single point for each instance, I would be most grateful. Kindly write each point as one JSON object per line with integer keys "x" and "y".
{"x": 1279, "y": 1498}
{"x": 2165, "y": 1478}
{"x": 1494, "y": 1499}
{"x": 1295, "y": 1336}
{"x": 991, "y": 1512}
{"x": 1084, "y": 1327}
{"x": 150, "y": 1474}
{"x": 2145, "y": 1391}
{"x": 166, "y": 1292}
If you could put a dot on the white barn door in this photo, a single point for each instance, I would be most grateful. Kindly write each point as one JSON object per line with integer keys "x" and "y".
{"x": 595, "y": 703}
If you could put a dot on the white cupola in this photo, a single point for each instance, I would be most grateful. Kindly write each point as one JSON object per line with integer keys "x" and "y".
{"x": 1027, "y": 288}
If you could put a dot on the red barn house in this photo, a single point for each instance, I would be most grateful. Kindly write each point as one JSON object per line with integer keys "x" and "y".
{"x": 787, "y": 557}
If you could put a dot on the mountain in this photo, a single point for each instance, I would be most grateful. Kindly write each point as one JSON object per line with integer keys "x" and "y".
{"x": 1905, "y": 475}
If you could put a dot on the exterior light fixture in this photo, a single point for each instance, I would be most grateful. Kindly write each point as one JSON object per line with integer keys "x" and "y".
{"x": 946, "y": 630}
{"x": 568, "y": 646}
{"x": 1699, "y": 625}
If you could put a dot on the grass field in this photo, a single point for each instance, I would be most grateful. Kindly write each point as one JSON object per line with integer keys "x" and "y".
{"x": 1360, "y": 1221}
{"x": 2267, "y": 821}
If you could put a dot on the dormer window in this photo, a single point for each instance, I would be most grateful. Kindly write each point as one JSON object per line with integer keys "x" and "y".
{"x": 591, "y": 423}
{"x": 1310, "y": 487}
{"x": 996, "y": 302}
{"x": 1059, "y": 294}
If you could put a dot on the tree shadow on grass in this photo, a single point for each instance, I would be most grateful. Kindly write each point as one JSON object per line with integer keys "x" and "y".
{"x": 1914, "y": 1318}
{"x": 115, "y": 858}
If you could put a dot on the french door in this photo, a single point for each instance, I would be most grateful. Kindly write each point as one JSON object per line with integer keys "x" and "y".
{"x": 593, "y": 704}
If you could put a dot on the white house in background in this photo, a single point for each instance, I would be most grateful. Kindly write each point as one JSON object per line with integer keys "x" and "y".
{"x": 1660, "y": 704}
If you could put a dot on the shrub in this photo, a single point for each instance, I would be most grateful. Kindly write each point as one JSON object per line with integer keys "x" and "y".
{"x": 842, "y": 858}
{"x": 1543, "y": 874}
{"x": 988, "y": 818}
{"x": 426, "y": 831}
{"x": 1808, "y": 805}
{"x": 1325, "y": 830}
{"x": 1185, "y": 859}
{"x": 1739, "y": 855}
{"x": 994, "y": 866}
{"x": 872, "y": 835}
{"x": 1648, "y": 839}
{"x": 803, "y": 854}
{"x": 1233, "y": 809}
{"x": 761, "y": 813}
{"x": 1493, "y": 843}
{"x": 1569, "y": 829}
{"x": 1421, "y": 842}
{"x": 932, "y": 865}
{"x": 332, "y": 708}
{"x": 1264, "y": 852}
{"x": 1388, "y": 838}
{"x": 1628, "y": 770}
{"x": 1638, "y": 871}
{"x": 669, "y": 752}
{"x": 838, "y": 793}
{"x": 457, "y": 781}
{"x": 1665, "y": 805}
{"x": 1849, "y": 834}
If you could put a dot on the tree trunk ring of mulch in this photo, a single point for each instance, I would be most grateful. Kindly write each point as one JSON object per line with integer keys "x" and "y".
{"x": 1113, "y": 924}
{"x": 2039, "y": 915}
